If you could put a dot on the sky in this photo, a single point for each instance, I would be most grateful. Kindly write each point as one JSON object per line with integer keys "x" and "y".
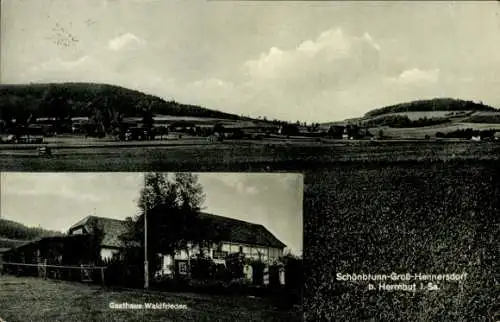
{"x": 314, "y": 61}
{"x": 58, "y": 200}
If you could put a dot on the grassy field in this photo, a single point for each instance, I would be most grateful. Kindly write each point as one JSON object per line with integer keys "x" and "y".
{"x": 429, "y": 218}
{"x": 249, "y": 156}
{"x": 421, "y": 132}
{"x": 416, "y": 115}
{"x": 34, "y": 299}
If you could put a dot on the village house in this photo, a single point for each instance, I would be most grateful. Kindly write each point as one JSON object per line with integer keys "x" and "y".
{"x": 252, "y": 240}
{"x": 112, "y": 228}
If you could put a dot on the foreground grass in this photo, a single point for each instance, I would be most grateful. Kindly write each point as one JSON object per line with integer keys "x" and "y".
{"x": 34, "y": 299}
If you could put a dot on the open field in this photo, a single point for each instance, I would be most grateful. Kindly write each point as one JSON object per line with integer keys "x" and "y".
{"x": 421, "y": 132}
{"x": 417, "y": 115}
{"x": 34, "y": 299}
{"x": 428, "y": 218}
{"x": 242, "y": 155}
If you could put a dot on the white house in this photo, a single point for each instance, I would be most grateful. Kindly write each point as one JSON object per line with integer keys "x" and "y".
{"x": 476, "y": 138}
{"x": 250, "y": 239}
{"x": 236, "y": 236}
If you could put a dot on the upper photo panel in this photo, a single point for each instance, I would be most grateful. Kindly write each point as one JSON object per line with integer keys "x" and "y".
{"x": 129, "y": 85}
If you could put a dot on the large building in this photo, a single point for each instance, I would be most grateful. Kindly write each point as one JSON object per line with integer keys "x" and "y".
{"x": 112, "y": 229}
{"x": 237, "y": 236}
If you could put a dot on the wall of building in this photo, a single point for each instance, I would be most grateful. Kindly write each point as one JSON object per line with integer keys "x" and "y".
{"x": 77, "y": 231}
{"x": 107, "y": 253}
{"x": 268, "y": 254}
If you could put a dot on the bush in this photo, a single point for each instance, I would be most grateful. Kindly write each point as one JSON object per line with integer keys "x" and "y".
{"x": 221, "y": 273}
{"x": 120, "y": 274}
{"x": 258, "y": 272}
{"x": 234, "y": 264}
{"x": 202, "y": 268}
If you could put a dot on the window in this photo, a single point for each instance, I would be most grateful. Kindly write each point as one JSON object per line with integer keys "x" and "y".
{"x": 219, "y": 254}
{"x": 182, "y": 268}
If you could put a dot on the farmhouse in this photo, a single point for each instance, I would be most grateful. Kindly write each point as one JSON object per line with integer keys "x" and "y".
{"x": 77, "y": 247}
{"x": 236, "y": 236}
{"x": 112, "y": 228}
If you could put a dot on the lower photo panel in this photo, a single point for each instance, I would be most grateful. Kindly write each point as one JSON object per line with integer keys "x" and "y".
{"x": 151, "y": 246}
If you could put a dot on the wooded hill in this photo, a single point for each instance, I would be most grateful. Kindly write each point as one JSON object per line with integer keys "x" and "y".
{"x": 432, "y": 105}
{"x": 13, "y": 233}
{"x": 91, "y": 100}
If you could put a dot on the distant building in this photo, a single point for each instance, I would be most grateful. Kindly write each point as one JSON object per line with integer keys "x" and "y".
{"x": 476, "y": 138}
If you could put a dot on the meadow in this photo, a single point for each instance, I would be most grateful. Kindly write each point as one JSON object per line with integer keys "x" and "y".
{"x": 421, "y": 132}
{"x": 265, "y": 155}
{"x": 35, "y": 299}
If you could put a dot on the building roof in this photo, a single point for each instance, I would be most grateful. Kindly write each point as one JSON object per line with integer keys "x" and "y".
{"x": 239, "y": 231}
{"x": 113, "y": 228}
{"x": 230, "y": 230}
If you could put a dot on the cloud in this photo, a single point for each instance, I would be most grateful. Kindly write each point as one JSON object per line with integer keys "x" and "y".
{"x": 233, "y": 180}
{"x": 331, "y": 58}
{"x": 56, "y": 191}
{"x": 243, "y": 184}
{"x": 126, "y": 40}
{"x": 60, "y": 64}
{"x": 212, "y": 82}
{"x": 415, "y": 75}
{"x": 251, "y": 190}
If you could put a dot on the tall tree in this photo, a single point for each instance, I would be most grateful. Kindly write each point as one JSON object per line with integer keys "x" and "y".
{"x": 172, "y": 204}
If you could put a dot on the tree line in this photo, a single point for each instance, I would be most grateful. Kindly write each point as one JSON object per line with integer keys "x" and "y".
{"x": 13, "y": 230}
{"x": 437, "y": 104}
{"x": 403, "y": 121}
{"x": 103, "y": 104}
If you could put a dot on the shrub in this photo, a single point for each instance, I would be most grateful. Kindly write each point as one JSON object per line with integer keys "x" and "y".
{"x": 202, "y": 268}
{"x": 234, "y": 264}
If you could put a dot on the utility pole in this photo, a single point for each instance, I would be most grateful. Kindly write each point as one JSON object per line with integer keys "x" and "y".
{"x": 146, "y": 266}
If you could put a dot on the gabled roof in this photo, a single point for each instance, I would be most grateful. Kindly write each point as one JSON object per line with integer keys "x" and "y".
{"x": 229, "y": 229}
{"x": 239, "y": 231}
{"x": 113, "y": 228}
